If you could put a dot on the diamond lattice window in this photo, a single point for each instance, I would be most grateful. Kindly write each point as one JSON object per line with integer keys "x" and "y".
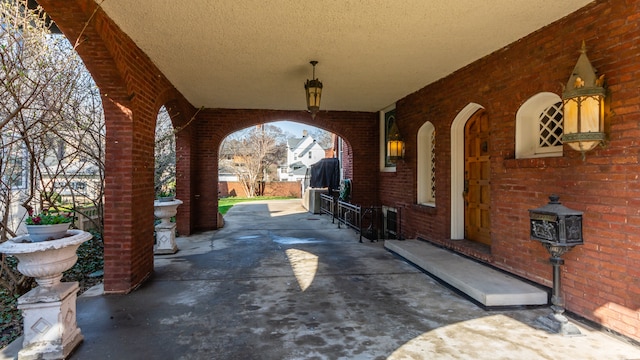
{"x": 551, "y": 126}
{"x": 426, "y": 169}
{"x": 433, "y": 165}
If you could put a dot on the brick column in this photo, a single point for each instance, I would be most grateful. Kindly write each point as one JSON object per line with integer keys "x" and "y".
{"x": 128, "y": 225}
{"x": 132, "y": 90}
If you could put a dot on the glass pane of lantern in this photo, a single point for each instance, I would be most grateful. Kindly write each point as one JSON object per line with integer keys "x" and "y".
{"x": 589, "y": 114}
{"x": 314, "y": 97}
{"x": 570, "y": 116}
{"x": 394, "y": 148}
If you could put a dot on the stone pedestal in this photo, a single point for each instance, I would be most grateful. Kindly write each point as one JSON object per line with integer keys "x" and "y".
{"x": 49, "y": 310}
{"x": 166, "y": 230}
{"x": 50, "y": 328}
{"x": 166, "y": 239}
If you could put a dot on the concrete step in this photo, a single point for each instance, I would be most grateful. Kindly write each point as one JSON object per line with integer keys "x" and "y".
{"x": 480, "y": 282}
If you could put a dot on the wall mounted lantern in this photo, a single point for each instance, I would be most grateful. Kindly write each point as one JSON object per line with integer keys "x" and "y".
{"x": 313, "y": 89}
{"x": 395, "y": 144}
{"x": 583, "y": 101}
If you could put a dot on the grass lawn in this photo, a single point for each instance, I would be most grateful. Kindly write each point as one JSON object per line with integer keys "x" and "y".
{"x": 225, "y": 204}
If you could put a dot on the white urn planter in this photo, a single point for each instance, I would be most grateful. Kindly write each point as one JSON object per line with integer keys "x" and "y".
{"x": 166, "y": 230}
{"x": 49, "y": 310}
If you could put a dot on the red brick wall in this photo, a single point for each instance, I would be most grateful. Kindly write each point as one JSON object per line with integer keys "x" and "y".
{"x": 185, "y": 148}
{"x": 347, "y": 160}
{"x": 601, "y": 279}
{"x": 272, "y": 188}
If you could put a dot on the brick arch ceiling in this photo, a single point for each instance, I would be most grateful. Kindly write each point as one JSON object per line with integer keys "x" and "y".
{"x": 345, "y": 124}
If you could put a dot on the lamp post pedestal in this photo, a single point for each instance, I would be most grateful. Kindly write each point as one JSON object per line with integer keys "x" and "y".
{"x": 556, "y": 321}
{"x": 559, "y": 229}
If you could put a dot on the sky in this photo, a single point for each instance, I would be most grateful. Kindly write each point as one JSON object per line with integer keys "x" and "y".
{"x": 293, "y": 128}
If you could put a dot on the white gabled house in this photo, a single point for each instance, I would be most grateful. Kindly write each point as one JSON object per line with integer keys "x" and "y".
{"x": 301, "y": 154}
{"x": 73, "y": 180}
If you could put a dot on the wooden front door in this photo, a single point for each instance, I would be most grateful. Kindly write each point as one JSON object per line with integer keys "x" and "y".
{"x": 477, "y": 179}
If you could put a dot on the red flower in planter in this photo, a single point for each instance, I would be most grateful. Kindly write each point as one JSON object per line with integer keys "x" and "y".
{"x": 48, "y": 218}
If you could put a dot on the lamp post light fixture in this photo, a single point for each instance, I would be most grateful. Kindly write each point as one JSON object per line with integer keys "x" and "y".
{"x": 583, "y": 102}
{"x": 313, "y": 89}
{"x": 559, "y": 229}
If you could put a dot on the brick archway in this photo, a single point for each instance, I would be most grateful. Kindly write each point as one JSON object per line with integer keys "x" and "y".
{"x": 133, "y": 90}
{"x": 359, "y": 129}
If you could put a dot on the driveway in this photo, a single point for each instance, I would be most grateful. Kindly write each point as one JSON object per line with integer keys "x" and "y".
{"x": 279, "y": 283}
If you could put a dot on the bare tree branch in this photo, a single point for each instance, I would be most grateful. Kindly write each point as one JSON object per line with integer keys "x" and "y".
{"x": 51, "y": 122}
{"x": 253, "y": 152}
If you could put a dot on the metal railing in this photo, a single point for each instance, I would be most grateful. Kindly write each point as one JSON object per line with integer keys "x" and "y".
{"x": 350, "y": 215}
{"x": 368, "y": 221}
{"x": 328, "y": 206}
{"x": 371, "y": 223}
{"x": 86, "y": 218}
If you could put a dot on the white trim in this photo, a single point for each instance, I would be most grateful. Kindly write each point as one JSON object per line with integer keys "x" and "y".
{"x": 457, "y": 169}
{"x": 527, "y": 127}
{"x": 383, "y": 144}
{"x": 424, "y": 165}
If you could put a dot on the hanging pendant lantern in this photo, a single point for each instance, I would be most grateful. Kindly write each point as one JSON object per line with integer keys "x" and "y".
{"x": 313, "y": 89}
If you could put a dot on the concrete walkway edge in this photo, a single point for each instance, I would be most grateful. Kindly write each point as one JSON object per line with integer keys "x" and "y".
{"x": 487, "y": 286}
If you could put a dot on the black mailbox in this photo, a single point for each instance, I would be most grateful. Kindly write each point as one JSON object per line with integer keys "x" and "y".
{"x": 556, "y": 224}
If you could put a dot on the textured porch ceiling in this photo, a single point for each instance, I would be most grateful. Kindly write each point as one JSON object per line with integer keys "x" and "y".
{"x": 254, "y": 54}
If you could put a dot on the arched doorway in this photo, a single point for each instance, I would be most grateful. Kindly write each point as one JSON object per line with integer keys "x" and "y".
{"x": 457, "y": 169}
{"x": 477, "y": 179}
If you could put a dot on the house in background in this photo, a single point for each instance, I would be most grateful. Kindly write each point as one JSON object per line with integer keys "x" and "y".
{"x": 14, "y": 180}
{"x": 59, "y": 179}
{"x": 226, "y": 164}
{"x": 301, "y": 154}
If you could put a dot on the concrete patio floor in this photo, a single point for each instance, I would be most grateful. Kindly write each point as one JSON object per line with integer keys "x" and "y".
{"x": 279, "y": 283}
